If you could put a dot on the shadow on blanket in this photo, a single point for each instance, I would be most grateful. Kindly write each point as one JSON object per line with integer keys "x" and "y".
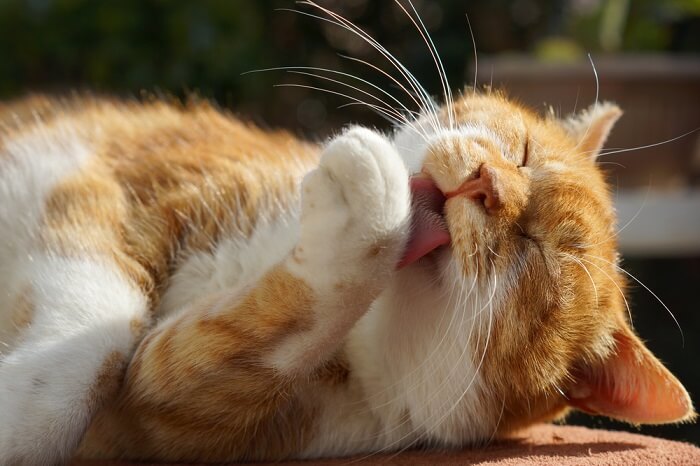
{"x": 539, "y": 445}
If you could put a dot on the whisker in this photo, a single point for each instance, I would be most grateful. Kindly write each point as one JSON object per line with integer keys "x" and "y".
{"x": 389, "y": 114}
{"x": 446, "y": 381}
{"x": 455, "y": 367}
{"x": 350, "y": 104}
{"x": 362, "y": 91}
{"x": 483, "y": 353}
{"x": 476, "y": 57}
{"x": 624, "y": 299}
{"x": 650, "y": 145}
{"x": 597, "y": 82}
{"x": 397, "y": 125}
{"x": 351, "y": 27}
{"x": 423, "y": 31}
{"x": 438, "y": 391}
{"x": 578, "y": 93}
{"x": 650, "y": 292}
{"x": 590, "y": 277}
{"x": 636, "y": 214}
{"x": 628, "y": 223}
{"x": 561, "y": 392}
{"x": 299, "y": 70}
{"x": 494, "y": 252}
{"x": 611, "y": 163}
{"x": 403, "y": 377}
{"x": 498, "y": 422}
{"x": 411, "y": 94}
{"x": 436, "y": 348}
{"x": 341, "y": 21}
{"x": 595, "y": 104}
{"x": 459, "y": 305}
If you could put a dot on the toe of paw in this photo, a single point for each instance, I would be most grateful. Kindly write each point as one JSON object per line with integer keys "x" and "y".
{"x": 358, "y": 151}
{"x": 368, "y": 167}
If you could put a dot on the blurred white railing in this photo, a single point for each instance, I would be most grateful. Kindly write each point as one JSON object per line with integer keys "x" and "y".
{"x": 659, "y": 223}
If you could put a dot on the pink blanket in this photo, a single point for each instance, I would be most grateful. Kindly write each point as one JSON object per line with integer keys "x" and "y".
{"x": 540, "y": 445}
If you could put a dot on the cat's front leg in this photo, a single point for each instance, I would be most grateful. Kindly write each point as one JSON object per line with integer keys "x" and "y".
{"x": 250, "y": 353}
{"x": 354, "y": 228}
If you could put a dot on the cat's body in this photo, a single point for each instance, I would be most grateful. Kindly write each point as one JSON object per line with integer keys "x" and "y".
{"x": 169, "y": 285}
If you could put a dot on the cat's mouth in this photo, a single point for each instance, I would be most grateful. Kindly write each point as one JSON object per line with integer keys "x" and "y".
{"x": 428, "y": 225}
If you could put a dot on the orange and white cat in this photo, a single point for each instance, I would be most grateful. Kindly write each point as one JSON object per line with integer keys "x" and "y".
{"x": 178, "y": 285}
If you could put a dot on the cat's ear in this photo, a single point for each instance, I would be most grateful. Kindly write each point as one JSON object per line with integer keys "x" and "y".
{"x": 631, "y": 385}
{"x": 590, "y": 128}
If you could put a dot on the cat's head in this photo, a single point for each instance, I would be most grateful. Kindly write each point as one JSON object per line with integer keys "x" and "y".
{"x": 532, "y": 228}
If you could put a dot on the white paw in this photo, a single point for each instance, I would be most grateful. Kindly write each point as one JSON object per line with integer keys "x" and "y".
{"x": 42, "y": 419}
{"x": 355, "y": 208}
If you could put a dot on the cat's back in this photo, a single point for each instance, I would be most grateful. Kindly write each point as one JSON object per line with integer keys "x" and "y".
{"x": 149, "y": 180}
{"x": 130, "y": 134}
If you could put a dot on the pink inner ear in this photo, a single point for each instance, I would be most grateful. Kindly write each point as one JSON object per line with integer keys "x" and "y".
{"x": 633, "y": 386}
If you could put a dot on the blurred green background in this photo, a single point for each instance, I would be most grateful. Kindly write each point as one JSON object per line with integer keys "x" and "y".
{"x": 182, "y": 48}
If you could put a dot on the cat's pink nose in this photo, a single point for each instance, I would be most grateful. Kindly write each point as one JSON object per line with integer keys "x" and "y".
{"x": 483, "y": 188}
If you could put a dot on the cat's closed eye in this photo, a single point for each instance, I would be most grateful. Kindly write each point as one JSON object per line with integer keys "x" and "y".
{"x": 524, "y": 234}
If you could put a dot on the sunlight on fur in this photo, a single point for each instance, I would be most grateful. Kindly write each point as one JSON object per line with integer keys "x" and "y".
{"x": 179, "y": 285}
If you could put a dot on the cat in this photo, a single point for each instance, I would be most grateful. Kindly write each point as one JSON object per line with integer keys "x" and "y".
{"x": 178, "y": 285}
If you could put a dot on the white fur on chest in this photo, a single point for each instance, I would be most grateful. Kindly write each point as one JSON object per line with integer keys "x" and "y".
{"x": 415, "y": 375}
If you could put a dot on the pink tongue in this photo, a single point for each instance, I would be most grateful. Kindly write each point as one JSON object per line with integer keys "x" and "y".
{"x": 428, "y": 227}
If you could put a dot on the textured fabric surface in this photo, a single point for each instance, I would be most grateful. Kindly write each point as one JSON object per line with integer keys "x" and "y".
{"x": 540, "y": 445}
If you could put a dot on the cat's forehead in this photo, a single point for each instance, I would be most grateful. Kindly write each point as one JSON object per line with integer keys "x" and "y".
{"x": 511, "y": 124}
{"x": 493, "y": 110}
